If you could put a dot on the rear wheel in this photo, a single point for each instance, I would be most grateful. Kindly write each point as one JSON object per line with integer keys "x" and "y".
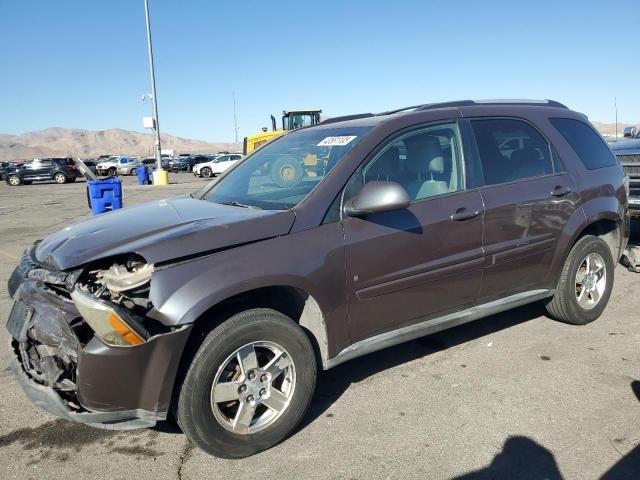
{"x": 248, "y": 386}
{"x": 60, "y": 178}
{"x": 132, "y": 171}
{"x": 206, "y": 172}
{"x": 14, "y": 180}
{"x": 585, "y": 283}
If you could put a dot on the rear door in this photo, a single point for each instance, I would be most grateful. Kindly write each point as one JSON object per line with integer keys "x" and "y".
{"x": 528, "y": 198}
{"x": 407, "y": 265}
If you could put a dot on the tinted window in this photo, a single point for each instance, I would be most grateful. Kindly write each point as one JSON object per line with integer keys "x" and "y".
{"x": 511, "y": 150}
{"x": 588, "y": 145}
{"x": 427, "y": 163}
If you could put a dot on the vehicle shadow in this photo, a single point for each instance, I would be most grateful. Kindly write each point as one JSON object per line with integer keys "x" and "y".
{"x": 333, "y": 383}
{"x": 520, "y": 458}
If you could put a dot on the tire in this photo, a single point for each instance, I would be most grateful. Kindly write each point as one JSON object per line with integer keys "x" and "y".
{"x": 585, "y": 283}
{"x": 112, "y": 172}
{"x": 132, "y": 171}
{"x": 206, "y": 172}
{"x": 14, "y": 180}
{"x": 60, "y": 178}
{"x": 286, "y": 172}
{"x": 209, "y": 425}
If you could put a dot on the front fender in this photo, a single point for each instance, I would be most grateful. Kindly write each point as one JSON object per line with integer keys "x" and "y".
{"x": 312, "y": 261}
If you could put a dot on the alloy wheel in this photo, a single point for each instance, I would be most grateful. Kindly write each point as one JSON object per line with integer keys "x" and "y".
{"x": 253, "y": 387}
{"x": 206, "y": 172}
{"x": 14, "y": 180}
{"x": 591, "y": 281}
{"x": 60, "y": 178}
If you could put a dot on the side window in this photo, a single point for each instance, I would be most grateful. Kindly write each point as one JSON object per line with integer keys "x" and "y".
{"x": 427, "y": 162}
{"x": 511, "y": 150}
{"x": 46, "y": 163}
{"x": 590, "y": 148}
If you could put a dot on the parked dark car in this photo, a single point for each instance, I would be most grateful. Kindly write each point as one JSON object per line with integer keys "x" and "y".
{"x": 628, "y": 154}
{"x": 3, "y": 168}
{"x": 220, "y": 306}
{"x": 60, "y": 170}
{"x": 185, "y": 164}
{"x": 91, "y": 165}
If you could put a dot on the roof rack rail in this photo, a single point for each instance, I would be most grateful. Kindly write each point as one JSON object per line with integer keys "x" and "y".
{"x": 344, "y": 118}
{"x": 453, "y": 104}
{"x": 469, "y": 103}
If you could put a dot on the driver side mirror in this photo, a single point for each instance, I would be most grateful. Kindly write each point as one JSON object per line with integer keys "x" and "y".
{"x": 377, "y": 197}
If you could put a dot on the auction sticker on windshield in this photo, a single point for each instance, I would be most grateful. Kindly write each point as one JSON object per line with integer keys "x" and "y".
{"x": 335, "y": 141}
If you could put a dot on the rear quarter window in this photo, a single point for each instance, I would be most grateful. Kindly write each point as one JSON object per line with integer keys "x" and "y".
{"x": 590, "y": 148}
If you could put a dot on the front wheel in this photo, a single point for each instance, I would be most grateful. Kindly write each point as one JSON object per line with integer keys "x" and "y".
{"x": 206, "y": 172}
{"x": 249, "y": 385}
{"x": 112, "y": 172}
{"x": 14, "y": 180}
{"x": 585, "y": 283}
{"x": 60, "y": 178}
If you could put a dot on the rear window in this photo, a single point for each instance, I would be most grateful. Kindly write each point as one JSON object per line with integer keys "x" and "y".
{"x": 590, "y": 148}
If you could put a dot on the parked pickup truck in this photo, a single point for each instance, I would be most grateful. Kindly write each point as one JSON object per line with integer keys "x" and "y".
{"x": 628, "y": 154}
{"x": 110, "y": 166}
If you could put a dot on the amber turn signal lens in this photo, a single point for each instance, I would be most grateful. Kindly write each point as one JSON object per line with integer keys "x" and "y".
{"x": 124, "y": 331}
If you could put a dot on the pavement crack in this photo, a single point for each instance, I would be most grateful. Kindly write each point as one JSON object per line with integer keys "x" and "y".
{"x": 184, "y": 456}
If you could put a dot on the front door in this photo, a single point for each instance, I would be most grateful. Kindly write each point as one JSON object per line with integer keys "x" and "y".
{"x": 528, "y": 199}
{"x": 408, "y": 265}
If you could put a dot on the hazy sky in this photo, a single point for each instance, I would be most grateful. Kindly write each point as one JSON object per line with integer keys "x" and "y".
{"x": 83, "y": 63}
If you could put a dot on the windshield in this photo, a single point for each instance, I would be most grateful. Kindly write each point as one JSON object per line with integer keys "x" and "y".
{"x": 281, "y": 174}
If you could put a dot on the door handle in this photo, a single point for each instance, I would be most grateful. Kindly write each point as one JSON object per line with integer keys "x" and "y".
{"x": 560, "y": 191}
{"x": 463, "y": 214}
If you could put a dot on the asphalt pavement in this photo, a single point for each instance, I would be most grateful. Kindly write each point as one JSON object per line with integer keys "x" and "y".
{"x": 515, "y": 395}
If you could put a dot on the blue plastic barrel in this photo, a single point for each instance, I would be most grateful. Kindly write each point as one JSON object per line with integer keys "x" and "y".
{"x": 143, "y": 175}
{"x": 104, "y": 195}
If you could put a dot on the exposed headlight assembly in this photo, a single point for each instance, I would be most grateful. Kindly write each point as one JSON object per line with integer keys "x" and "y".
{"x": 113, "y": 325}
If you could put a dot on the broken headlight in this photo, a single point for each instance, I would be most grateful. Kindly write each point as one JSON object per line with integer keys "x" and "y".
{"x": 113, "y": 298}
{"x": 108, "y": 323}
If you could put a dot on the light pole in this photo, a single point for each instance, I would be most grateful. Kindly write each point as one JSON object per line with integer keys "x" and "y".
{"x": 235, "y": 122}
{"x": 154, "y": 98}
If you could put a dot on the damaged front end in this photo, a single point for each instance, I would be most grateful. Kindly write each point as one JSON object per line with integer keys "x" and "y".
{"x": 84, "y": 348}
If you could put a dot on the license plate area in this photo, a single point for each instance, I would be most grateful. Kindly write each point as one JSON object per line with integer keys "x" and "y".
{"x": 19, "y": 320}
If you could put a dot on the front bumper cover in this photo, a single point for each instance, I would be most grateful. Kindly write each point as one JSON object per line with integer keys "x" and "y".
{"x": 82, "y": 379}
{"x": 51, "y": 402}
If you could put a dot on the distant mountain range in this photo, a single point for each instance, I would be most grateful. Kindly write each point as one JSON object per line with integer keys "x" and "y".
{"x": 58, "y": 141}
{"x": 89, "y": 144}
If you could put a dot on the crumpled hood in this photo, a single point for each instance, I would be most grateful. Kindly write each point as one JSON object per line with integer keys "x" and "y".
{"x": 161, "y": 231}
{"x": 633, "y": 144}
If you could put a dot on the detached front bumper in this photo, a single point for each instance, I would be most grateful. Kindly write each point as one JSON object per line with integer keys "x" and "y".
{"x": 67, "y": 371}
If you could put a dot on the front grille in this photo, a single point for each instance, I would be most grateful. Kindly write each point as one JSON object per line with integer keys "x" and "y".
{"x": 632, "y": 169}
{"x": 629, "y": 158}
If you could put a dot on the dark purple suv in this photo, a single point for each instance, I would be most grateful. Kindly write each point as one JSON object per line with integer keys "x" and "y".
{"x": 327, "y": 243}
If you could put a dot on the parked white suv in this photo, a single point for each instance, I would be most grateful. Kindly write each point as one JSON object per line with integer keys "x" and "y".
{"x": 216, "y": 166}
{"x": 110, "y": 166}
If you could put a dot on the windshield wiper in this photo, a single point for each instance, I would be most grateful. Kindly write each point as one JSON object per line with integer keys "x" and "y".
{"x": 238, "y": 204}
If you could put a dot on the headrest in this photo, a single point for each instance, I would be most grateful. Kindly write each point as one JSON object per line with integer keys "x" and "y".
{"x": 424, "y": 154}
{"x": 436, "y": 165}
